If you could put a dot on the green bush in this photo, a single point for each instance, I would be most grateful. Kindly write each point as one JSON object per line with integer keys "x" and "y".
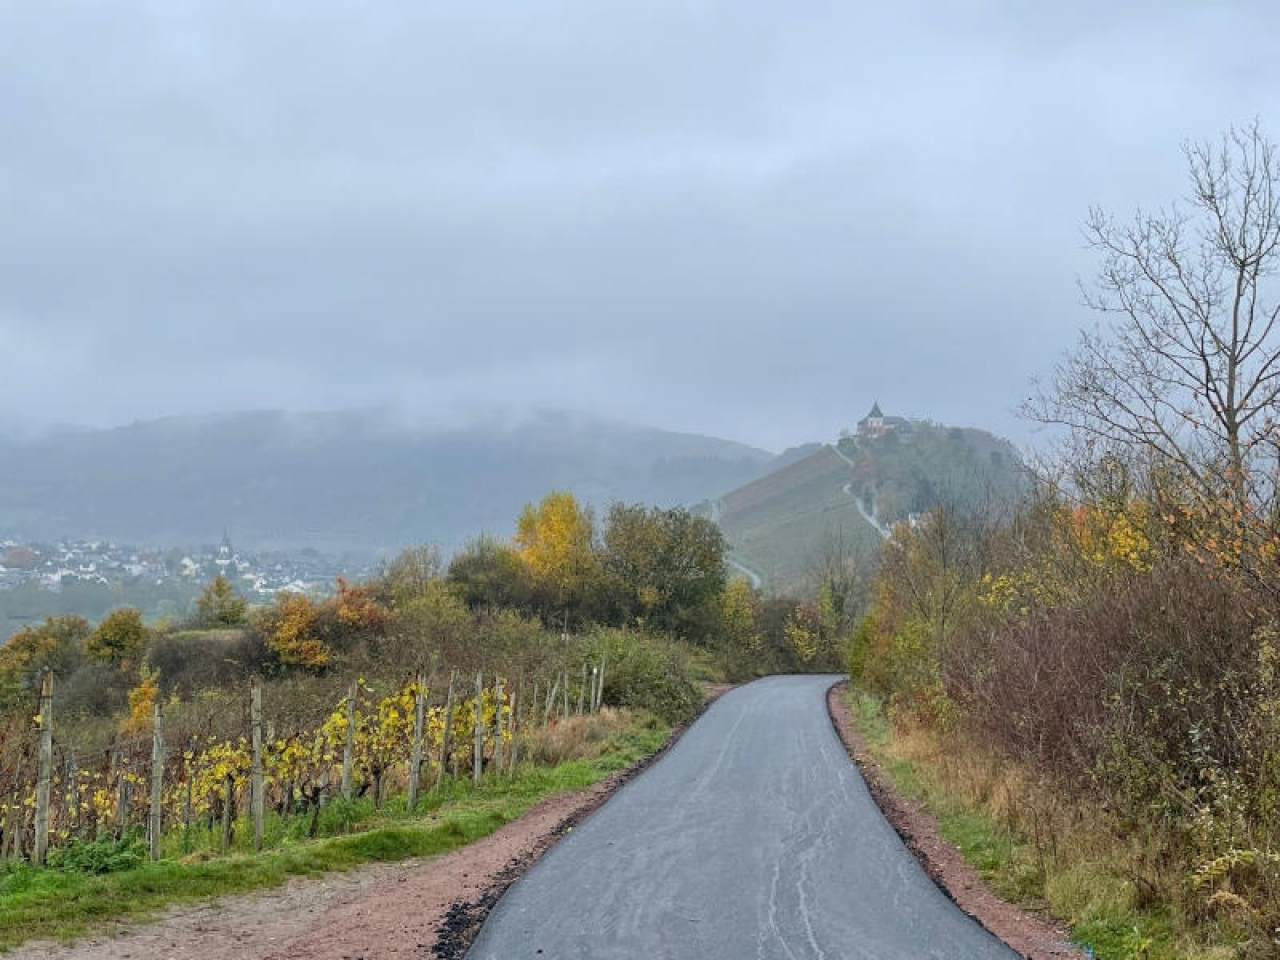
{"x": 646, "y": 671}
{"x": 104, "y": 855}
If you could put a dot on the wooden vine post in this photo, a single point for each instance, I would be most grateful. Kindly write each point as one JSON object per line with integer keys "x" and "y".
{"x": 516, "y": 727}
{"x": 257, "y": 791}
{"x": 154, "y": 824}
{"x": 74, "y": 822}
{"x": 533, "y": 703}
{"x": 604, "y": 660}
{"x": 122, "y": 802}
{"x": 348, "y": 748}
{"x": 582, "y": 689}
{"x": 551, "y": 701}
{"x": 6, "y": 840}
{"x": 477, "y": 770}
{"x": 415, "y": 751}
{"x": 228, "y": 810}
{"x": 188, "y": 806}
{"x": 448, "y": 729}
{"x": 44, "y": 771}
{"x": 497, "y": 743}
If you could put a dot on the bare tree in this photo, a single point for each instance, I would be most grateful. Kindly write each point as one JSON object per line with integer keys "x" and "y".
{"x": 1186, "y": 375}
{"x": 844, "y": 568}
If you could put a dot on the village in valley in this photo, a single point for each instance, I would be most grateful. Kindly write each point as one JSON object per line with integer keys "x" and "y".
{"x": 54, "y": 566}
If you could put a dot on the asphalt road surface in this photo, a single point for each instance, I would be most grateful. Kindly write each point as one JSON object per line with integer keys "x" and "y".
{"x": 754, "y": 837}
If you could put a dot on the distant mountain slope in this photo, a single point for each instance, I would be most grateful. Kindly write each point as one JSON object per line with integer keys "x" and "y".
{"x": 357, "y": 480}
{"x": 780, "y": 524}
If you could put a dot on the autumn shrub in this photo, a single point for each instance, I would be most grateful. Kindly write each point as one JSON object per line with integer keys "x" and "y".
{"x": 57, "y": 643}
{"x": 1102, "y": 667}
{"x": 1153, "y": 696}
{"x": 576, "y": 737}
{"x": 119, "y": 638}
{"x": 1128, "y": 690}
{"x": 645, "y": 671}
{"x": 317, "y": 634}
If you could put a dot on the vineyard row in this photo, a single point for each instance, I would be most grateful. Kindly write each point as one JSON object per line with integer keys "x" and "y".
{"x": 415, "y": 736}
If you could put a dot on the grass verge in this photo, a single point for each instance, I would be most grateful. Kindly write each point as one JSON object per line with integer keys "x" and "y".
{"x": 1077, "y": 873}
{"x": 58, "y": 904}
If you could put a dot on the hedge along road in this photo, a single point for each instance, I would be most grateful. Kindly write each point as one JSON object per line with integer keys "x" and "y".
{"x": 754, "y": 837}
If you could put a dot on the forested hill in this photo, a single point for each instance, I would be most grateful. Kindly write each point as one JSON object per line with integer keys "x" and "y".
{"x": 831, "y": 497}
{"x": 360, "y": 480}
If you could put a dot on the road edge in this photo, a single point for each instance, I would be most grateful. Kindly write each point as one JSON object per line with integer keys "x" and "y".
{"x": 1029, "y": 935}
{"x": 462, "y": 921}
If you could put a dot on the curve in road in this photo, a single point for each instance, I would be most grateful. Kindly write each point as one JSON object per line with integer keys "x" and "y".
{"x": 754, "y": 837}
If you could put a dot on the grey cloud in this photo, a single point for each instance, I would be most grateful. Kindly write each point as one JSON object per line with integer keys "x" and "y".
{"x": 747, "y": 219}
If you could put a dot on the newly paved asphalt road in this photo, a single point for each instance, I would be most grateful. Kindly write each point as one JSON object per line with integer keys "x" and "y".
{"x": 755, "y": 837}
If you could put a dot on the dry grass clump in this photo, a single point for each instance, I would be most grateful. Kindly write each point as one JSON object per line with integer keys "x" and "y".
{"x": 1041, "y": 847}
{"x": 576, "y": 737}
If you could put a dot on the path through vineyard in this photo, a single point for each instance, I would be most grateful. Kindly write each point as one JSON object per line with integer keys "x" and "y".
{"x": 755, "y": 837}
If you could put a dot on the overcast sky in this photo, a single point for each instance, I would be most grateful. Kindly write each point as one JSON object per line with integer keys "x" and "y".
{"x": 746, "y": 219}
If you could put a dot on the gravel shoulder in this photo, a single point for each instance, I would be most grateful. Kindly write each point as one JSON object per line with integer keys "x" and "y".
{"x": 1032, "y": 936}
